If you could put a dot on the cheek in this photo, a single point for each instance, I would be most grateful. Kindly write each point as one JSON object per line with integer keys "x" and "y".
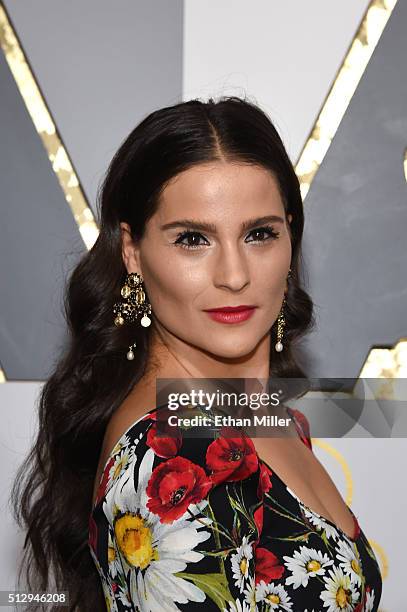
{"x": 272, "y": 270}
{"x": 270, "y": 281}
{"x": 274, "y": 285}
{"x": 173, "y": 289}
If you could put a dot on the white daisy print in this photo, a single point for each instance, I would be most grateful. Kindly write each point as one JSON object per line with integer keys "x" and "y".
{"x": 112, "y": 557}
{"x": 316, "y": 519}
{"x": 153, "y": 551}
{"x": 305, "y": 564}
{"x": 369, "y": 601}
{"x": 121, "y": 461}
{"x": 274, "y": 595}
{"x": 122, "y": 443}
{"x": 250, "y": 592}
{"x": 349, "y": 561}
{"x": 320, "y": 523}
{"x": 111, "y": 605}
{"x": 237, "y": 606}
{"x": 241, "y": 563}
{"x": 122, "y": 596}
{"x": 340, "y": 594}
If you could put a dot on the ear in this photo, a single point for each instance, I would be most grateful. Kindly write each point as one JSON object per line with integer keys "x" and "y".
{"x": 130, "y": 250}
{"x": 290, "y": 218}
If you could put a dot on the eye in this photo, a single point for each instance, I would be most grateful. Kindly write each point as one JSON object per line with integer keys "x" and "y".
{"x": 271, "y": 234}
{"x": 192, "y": 238}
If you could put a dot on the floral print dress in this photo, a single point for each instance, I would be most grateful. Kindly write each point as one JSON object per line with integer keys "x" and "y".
{"x": 201, "y": 524}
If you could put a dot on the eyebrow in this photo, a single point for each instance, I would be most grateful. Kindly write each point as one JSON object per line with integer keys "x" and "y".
{"x": 211, "y": 227}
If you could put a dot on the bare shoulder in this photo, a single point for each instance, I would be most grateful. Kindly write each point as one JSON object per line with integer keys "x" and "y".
{"x": 138, "y": 403}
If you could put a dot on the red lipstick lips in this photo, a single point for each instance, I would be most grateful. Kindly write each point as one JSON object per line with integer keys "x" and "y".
{"x": 231, "y": 314}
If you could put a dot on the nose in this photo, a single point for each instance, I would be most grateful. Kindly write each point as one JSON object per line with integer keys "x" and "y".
{"x": 231, "y": 269}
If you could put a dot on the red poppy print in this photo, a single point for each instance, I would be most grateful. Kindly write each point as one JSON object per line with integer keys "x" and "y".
{"x": 174, "y": 485}
{"x": 268, "y": 567}
{"x": 258, "y": 516}
{"x": 264, "y": 480}
{"x": 105, "y": 479}
{"x": 249, "y": 544}
{"x": 164, "y": 446}
{"x": 356, "y": 527}
{"x": 302, "y": 425}
{"x": 231, "y": 459}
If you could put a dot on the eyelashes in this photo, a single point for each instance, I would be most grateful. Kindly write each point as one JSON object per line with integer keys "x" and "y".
{"x": 270, "y": 232}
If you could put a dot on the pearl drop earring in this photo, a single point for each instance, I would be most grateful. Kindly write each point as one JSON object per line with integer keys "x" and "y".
{"x": 280, "y": 329}
{"x": 135, "y": 304}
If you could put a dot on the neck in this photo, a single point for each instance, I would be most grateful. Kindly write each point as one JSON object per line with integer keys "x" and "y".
{"x": 171, "y": 357}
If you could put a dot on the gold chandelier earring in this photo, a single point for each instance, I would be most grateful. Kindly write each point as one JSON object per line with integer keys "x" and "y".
{"x": 134, "y": 306}
{"x": 281, "y": 323}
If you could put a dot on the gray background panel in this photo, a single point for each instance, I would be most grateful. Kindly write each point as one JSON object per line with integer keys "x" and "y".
{"x": 38, "y": 235}
{"x": 103, "y": 65}
{"x": 101, "y": 70}
{"x": 356, "y": 219}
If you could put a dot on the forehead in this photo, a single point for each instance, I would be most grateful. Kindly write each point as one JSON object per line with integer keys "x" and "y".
{"x": 222, "y": 188}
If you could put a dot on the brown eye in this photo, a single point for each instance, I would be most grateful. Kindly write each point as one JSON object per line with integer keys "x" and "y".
{"x": 269, "y": 232}
{"x": 192, "y": 240}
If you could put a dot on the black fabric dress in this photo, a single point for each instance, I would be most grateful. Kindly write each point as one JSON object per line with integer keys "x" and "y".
{"x": 201, "y": 524}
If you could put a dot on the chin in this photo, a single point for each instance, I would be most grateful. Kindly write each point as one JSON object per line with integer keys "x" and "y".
{"x": 232, "y": 351}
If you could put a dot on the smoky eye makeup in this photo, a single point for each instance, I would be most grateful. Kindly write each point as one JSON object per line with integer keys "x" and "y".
{"x": 193, "y": 238}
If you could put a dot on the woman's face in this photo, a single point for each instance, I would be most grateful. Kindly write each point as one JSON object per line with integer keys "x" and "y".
{"x": 219, "y": 238}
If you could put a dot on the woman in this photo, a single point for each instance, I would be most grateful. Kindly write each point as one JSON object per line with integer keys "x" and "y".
{"x": 200, "y": 210}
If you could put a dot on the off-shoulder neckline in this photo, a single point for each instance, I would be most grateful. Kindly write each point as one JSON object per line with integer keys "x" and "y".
{"x": 111, "y": 454}
{"x": 130, "y": 427}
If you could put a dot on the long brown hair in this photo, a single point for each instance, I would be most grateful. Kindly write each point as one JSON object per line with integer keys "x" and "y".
{"x": 52, "y": 493}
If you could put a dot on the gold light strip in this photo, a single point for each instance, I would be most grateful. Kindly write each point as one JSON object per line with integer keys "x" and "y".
{"x": 342, "y": 462}
{"x": 342, "y": 90}
{"x": 386, "y": 363}
{"x": 384, "y": 561}
{"x": 41, "y": 117}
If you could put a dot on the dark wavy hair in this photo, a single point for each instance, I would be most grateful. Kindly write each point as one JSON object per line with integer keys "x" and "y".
{"x": 52, "y": 493}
